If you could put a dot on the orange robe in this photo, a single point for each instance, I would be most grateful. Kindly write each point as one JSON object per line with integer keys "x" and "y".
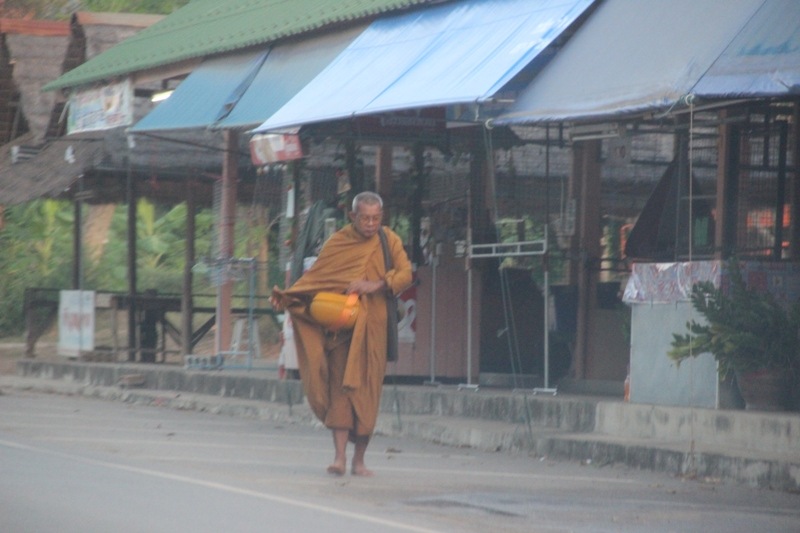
{"x": 346, "y": 257}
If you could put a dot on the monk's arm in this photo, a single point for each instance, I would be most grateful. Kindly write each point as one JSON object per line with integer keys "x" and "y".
{"x": 281, "y": 301}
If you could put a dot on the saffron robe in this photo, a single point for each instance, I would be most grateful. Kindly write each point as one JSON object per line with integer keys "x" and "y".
{"x": 346, "y": 257}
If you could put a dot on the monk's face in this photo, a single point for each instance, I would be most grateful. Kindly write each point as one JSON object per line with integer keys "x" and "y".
{"x": 367, "y": 219}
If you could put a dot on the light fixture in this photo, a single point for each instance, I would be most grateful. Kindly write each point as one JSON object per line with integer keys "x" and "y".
{"x": 160, "y": 96}
{"x": 590, "y": 132}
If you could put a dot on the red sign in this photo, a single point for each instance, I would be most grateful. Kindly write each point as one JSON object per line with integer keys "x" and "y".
{"x": 274, "y": 148}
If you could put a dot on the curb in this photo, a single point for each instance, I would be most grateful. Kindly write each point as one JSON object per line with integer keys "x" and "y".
{"x": 770, "y": 471}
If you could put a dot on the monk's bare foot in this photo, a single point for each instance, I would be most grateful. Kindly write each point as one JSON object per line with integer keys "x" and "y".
{"x": 362, "y": 471}
{"x": 337, "y": 468}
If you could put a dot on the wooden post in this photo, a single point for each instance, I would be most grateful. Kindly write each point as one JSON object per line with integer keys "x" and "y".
{"x": 187, "y": 304}
{"x": 383, "y": 178}
{"x": 131, "y": 193}
{"x": 416, "y": 203}
{"x": 723, "y": 166}
{"x": 794, "y": 181}
{"x": 261, "y": 218}
{"x": 77, "y": 242}
{"x": 780, "y": 200}
{"x": 227, "y": 223}
{"x": 354, "y": 171}
{"x": 587, "y": 168}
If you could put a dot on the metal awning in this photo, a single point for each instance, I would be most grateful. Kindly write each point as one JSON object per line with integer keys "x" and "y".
{"x": 205, "y": 28}
{"x": 204, "y": 95}
{"x": 763, "y": 60}
{"x": 632, "y": 56}
{"x": 457, "y": 52}
{"x": 243, "y": 89}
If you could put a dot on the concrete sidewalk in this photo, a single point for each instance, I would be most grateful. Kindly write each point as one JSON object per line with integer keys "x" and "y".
{"x": 756, "y": 448}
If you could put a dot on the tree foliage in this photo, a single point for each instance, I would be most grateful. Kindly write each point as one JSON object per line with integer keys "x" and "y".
{"x": 36, "y": 247}
{"x": 37, "y": 243}
{"x": 160, "y": 248}
{"x": 163, "y": 7}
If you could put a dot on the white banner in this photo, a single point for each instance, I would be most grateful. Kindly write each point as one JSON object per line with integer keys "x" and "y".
{"x": 75, "y": 323}
{"x": 101, "y": 108}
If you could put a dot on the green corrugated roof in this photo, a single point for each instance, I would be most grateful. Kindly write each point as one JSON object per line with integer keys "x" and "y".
{"x": 207, "y": 27}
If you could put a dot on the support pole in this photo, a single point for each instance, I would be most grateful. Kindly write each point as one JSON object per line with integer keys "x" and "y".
{"x": 469, "y": 322}
{"x": 416, "y": 203}
{"x": 478, "y": 168}
{"x": 546, "y": 324}
{"x": 187, "y": 304}
{"x": 547, "y": 389}
{"x": 77, "y": 245}
{"x": 227, "y": 223}
{"x": 434, "y": 267}
{"x": 794, "y": 191}
{"x": 383, "y": 177}
{"x": 722, "y": 187}
{"x": 131, "y": 194}
{"x": 468, "y": 263}
{"x": 587, "y": 156}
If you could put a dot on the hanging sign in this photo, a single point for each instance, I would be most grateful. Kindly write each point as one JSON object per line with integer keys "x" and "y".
{"x": 403, "y": 124}
{"x": 275, "y": 147}
{"x": 101, "y": 108}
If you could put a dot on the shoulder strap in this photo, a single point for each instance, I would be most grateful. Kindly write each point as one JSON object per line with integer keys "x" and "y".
{"x": 391, "y": 304}
{"x": 387, "y": 256}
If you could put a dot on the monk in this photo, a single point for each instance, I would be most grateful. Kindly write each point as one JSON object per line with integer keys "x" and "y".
{"x": 342, "y": 372}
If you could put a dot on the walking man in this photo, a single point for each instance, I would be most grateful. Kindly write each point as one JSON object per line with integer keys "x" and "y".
{"x": 343, "y": 371}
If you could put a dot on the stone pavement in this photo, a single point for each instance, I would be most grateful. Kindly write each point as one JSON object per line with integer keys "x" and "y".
{"x": 755, "y": 448}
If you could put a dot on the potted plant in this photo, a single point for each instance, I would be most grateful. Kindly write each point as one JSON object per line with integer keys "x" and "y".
{"x": 749, "y": 334}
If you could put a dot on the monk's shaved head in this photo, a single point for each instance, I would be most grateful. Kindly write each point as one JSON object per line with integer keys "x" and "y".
{"x": 367, "y": 198}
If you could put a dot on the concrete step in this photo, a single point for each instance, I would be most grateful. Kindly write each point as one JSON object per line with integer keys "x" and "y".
{"x": 775, "y": 471}
{"x": 756, "y": 431}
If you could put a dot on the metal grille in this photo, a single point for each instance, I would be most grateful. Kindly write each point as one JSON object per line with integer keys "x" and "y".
{"x": 763, "y": 207}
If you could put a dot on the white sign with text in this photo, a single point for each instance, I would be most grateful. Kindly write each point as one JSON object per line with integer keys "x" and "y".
{"x": 75, "y": 323}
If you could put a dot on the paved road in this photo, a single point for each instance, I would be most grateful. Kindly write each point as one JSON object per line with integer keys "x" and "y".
{"x": 76, "y": 464}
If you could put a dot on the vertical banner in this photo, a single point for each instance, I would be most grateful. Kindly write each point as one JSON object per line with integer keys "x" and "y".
{"x": 75, "y": 323}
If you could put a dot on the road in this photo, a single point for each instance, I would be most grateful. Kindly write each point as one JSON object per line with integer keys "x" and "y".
{"x": 78, "y": 464}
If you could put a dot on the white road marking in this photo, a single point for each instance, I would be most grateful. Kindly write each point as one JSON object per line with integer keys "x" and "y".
{"x": 223, "y": 487}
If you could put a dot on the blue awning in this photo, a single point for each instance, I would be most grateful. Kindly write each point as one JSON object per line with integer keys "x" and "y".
{"x": 457, "y": 52}
{"x": 243, "y": 89}
{"x": 763, "y": 60}
{"x": 631, "y": 56}
{"x": 202, "y": 97}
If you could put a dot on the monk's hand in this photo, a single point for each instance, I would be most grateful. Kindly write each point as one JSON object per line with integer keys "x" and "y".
{"x": 276, "y": 299}
{"x": 363, "y": 286}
